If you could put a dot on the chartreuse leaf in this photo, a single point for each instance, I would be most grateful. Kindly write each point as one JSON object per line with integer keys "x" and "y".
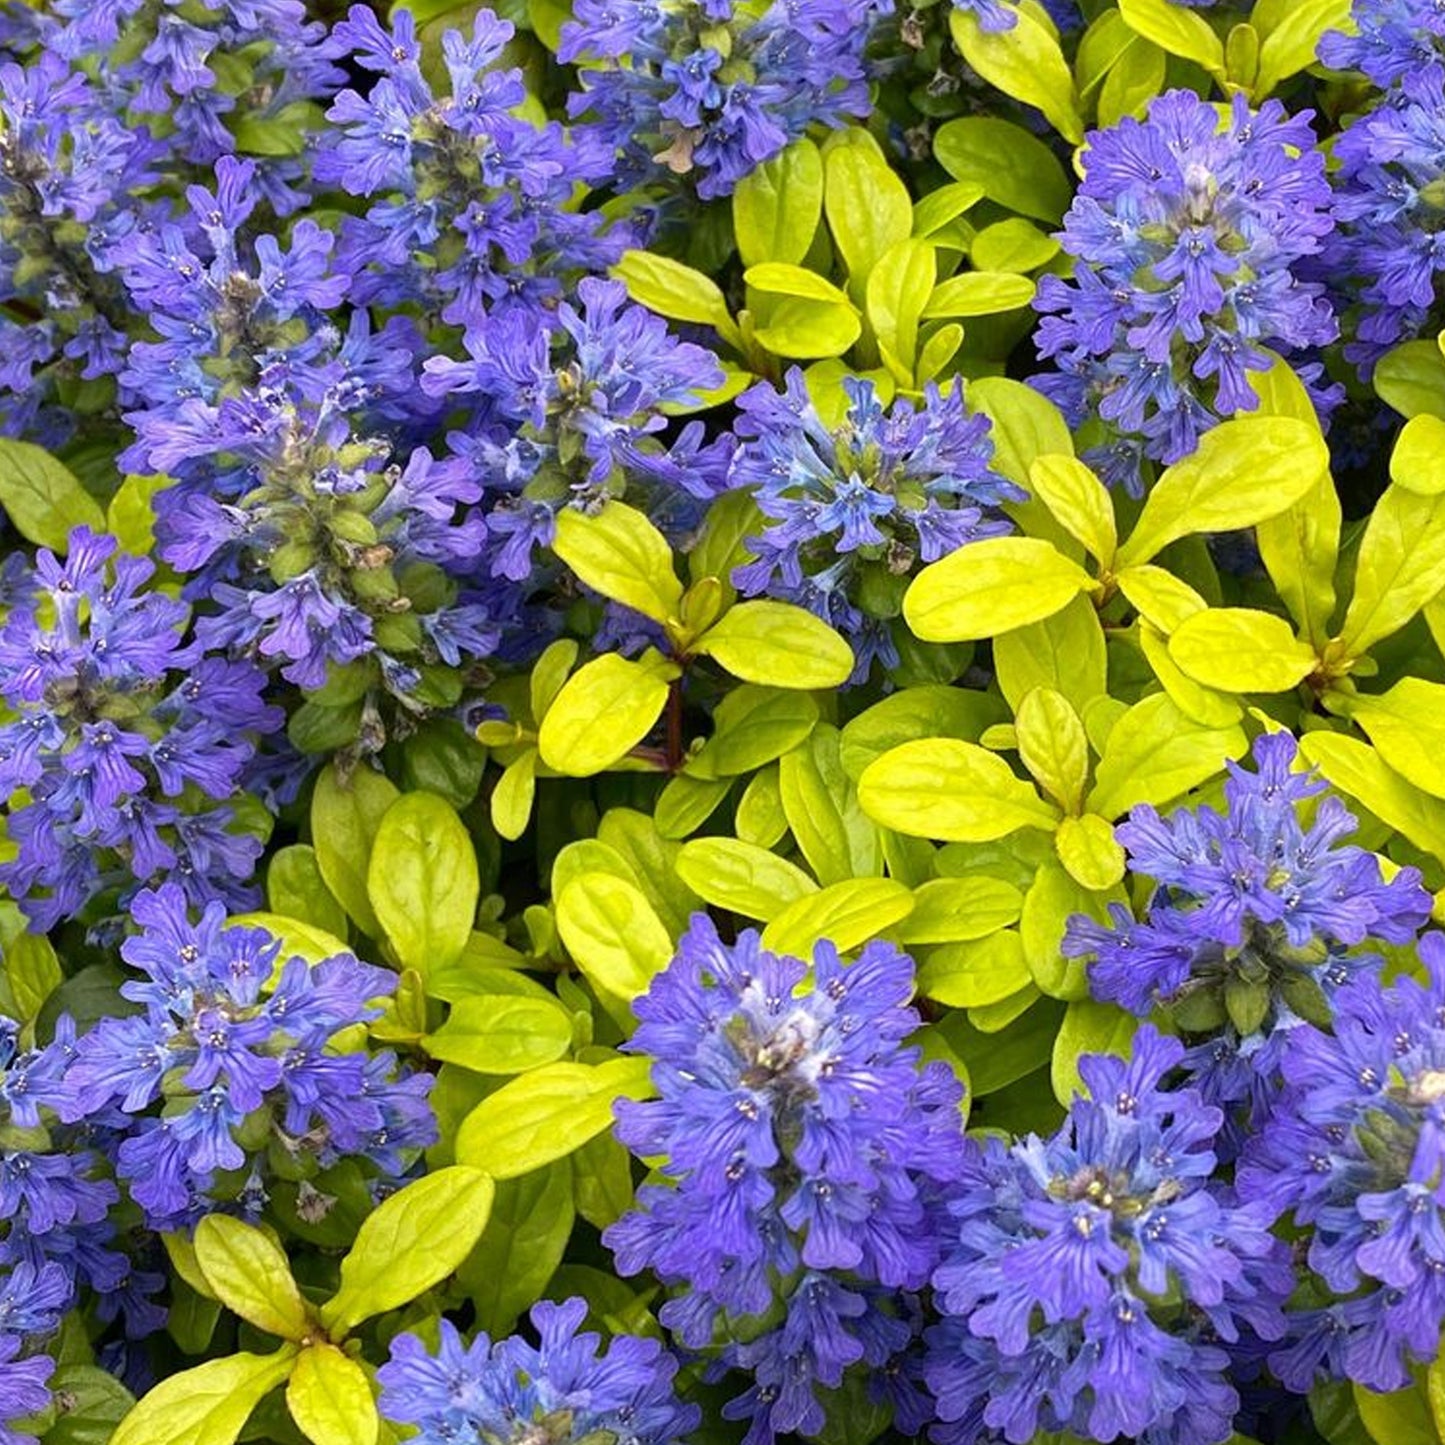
{"x": 1402, "y": 1417}
{"x": 546, "y": 1114}
{"x": 1133, "y": 81}
{"x": 620, "y": 554}
{"x": 1299, "y": 548}
{"x": 1243, "y": 472}
{"x": 778, "y": 645}
{"x": 295, "y": 888}
{"x": 42, "y": 497}
{"x": 208, "y": 1405}
{"x": 676, "y": 291}
{"x": 1010, "y": 165}
{"x": 513, "y": 796}
{"x": 1054, "y": 897}
{"x": 1180, "y": 32}
{"x": 753, "y": 726}
{"x": 32, "y": 971}
{"x": 944, "y": 204}
{"x": 776, "y": 208}
{"x": 1401, "y": 566}
{"x": 972, "y": 974}
{"x": 1418, "y": 460}
{"x": 411, "y": 1241}
{"x": 1291, "y": 45}
{"x": 1024, "y": 425}
{"x": 1407, "y": 726}
{"x": 1411, "y": 379}
{"x": 955, "y": 910}
{"x": 1089, "y": 851}
{"x": 1435, "y": 1395}
{"x": 1154, "y": 753}
{"x": 897, "y": 291}
{"x": 954, "y": 791}
{"x": 867, "y": 206}
{"x": 1080, "y": 502}
{"x": 492, "y": 1035}
{"x": 613, "y": 934}
{"x": 247, "y": 1271}
{"x": 1089, "y": 1027}
{"x": 1025, "y": 62}
{"x": 1065, "y": 652}
{"x": 913, "y": 712}
{"x": 603, "y": 711}
{"x": 1201, "y": 703}
{"x": 330, "y": 1398}
{"x": 848, "y": 913}
{"x": 1012, "y": 245}
{"x": 979, "y": 293}
{"x": 130, "y": 518}
{"x": 1357, "y": 769}
{"x": 778, "y": 278}
{"x": 990, "y": 587}
{"x": 344, "y": 819}
{"x": 423, "y": 882}
{"x": 1239, "y": 649}
{"x": 821, "y": 806}
{"x": 741, "y": 877}
{"x": 803, "y": 329}
{"x": 1052, "y": 746}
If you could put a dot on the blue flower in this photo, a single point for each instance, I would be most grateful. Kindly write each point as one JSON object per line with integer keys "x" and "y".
{"x": 855, "y": 507}
{"x": 119, "y": 726}
{"x": 1392, "y": 39}
{"x": 712, "y": 90}
{"x": 1255, "y": 921}
{"x": 1355, "y": 1153}
{"x": 564, "y": 1388}
{"x": 1090, "y": 1277}
{"x": 229, "y": 1036}
{"x": 1187, "y": 234}
{"x": 802, "y": 1148}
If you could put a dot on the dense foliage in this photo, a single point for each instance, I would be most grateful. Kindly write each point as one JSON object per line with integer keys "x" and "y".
{"x": 721, "y": 722}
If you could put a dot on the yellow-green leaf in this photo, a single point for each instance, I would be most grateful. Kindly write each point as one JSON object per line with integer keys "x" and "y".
{"x": 1238, "y": 649}
{"x": 613, "y": 934}
{"x": 247, "y": 1271}
{"x": 1089, "y": 851}
{"x": 620, "y": 554}
{"x": 1052, "y": 746}
{"x": 603, "y": 711}
{"x": 777, "y": 206}
{"x": 1180, "y": 32}
{"x": 741, "y": 877}
{"x": 1080, "y": 501}
{"x": 208, "y": 1405}
{"x": 330, "y": 1398}
{"x": 779, "y": 645}
{"x": 1401, "y": 566}
{"x": 847, "y": 913}
{"x": 954, "y": 910}
{"x": 1024, "y": 61}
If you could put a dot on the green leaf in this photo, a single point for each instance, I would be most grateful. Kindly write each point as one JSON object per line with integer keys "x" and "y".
{"x": 344, "y": 820}
{"x": 1418, "y": 461}
{"x": 1052, "y": 746}
{"x": 1155, "y": 753}
{"x": 685, "y": 804}
{"x": 89, "y": 1404}
{"x": 975, "y": 973}
{"x": 950, "y": 790}
{"x": 1132, "y": 82}
{"x": 675, "y": 291}
{"x": 1291, "y": 45}
{"x": 32, "y": 971}
{"x": 1357, "y": 769}
{"x": 613, "y": 935}
{"x": 603, "y": 711}
{"x": 937, "y": 352}
{"x": 776, "y": 208}
{"x": 1080, "y": 502}
{"x": 1088, "y": 850}
{"x": 1300, "y": 548}
{"x": 1400, "y": 1418}
{"x": 491, "y": 1035}
{"x": 991, "y": 586}
{"x": 916, "y": 712}
{"x": 1012, "y": 245}
{"x": 820, "y": 803}
{"x": 513, "y": 796}
{"x": 130, "y": 518}
{"x": 423, "y": 881}
{"x": 979, "y": 293}
{"x": 1065, "y": 652}
{"x": 753, "y": 726}
{"x": 943, "y": 204}
{"x": 759, "y": 817}
{"x": 1053, "y": 898}
{"x": 848, "y": 913}
{"x": 1159, "y": 595}
{"x": 1243, "y": 472}
{"x": 247, "y": 1271}
{"x": 1011, "y": 166}
{"x": 1024, "y": 424}
{"x": 620, "y": 554}
{"x": 412, "y": 1240}
{"x": 1238, "y": 649}
{"x": 957, "y": 910}
{"x": 1407, "y": 726}
{"x": 1435, "y": 1395}
{"x": 1024, "y": 62}
{"x": 778, "y": 645}
{"x": 42, "y": 497}
{"x": 1401, "y": 566}
{"x": 296, "y": 889}
{"x": 208, "y": 1405}
{"x": 521, "y": 1247}
{"x": 330, "y": 1398}
{"x": 1196, "y": 701}
{"x": 741, "y": 877}
{"x": 867, "y": 206}
{"x": 1088, "y": 1028}
{"x": 898, "y": 289}
{"x": 1411, "y": 378}
{"x": 546, "y": 1114}
{"x": 803, "y": 329}
{"x": 1180, "y": 32}
{"x": 778, "y": 278}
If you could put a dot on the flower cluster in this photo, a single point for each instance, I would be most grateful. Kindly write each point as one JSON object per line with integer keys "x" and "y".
{"x": 561, "y": 1390}
{"x": 1388, "y": 248}
{"x": 1092, "y": 1279}
{"x": 1354, "y": 1152}
{"x": 31, "y": 1303}
{"x": 803, "y": 1151}
{"x": 855, "y": 507}
{"x": 243, "y": 1055}
{"x": 127, "y": 742}
{"x": 1255, "y": 921}
{"x": 711, "y": 88}
{"x": 1188, "y": 234}
{"x": 1389, "y": 40}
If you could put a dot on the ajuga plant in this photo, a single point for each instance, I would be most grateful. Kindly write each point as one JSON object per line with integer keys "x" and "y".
{"x": 720, "y": 721}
